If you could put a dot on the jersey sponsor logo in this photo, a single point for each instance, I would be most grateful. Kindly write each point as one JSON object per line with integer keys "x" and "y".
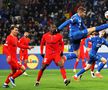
{"x": 33, "y": 61}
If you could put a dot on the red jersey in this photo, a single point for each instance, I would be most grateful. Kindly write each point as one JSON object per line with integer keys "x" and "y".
{"x": 24, "y": 41}
{"x": 11, "y": 46}
{"x": 54, "y": 43}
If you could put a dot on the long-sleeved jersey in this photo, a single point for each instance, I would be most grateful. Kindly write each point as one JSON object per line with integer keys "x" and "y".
{"x": 97, "y": 42}
{"x": 53, "y": 43}
{"x": 75, "y": 23}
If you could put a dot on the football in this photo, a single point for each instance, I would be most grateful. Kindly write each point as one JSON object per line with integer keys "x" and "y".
{"x": 106, "y": 14}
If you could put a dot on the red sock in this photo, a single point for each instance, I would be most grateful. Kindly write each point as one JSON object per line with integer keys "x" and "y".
{"x": 17, "y": 73}
{"x": 7, "y": 79}
{"x": 92, "y": 67}
{"x": 83, "y": 64}
{"x": 63, "y": 72}
{"x": 39, "y": 75}
{"x": 76, "y": 64}
{"x": 25, "y": 64}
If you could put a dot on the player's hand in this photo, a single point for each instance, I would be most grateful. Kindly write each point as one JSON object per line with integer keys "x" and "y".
{"x": 61, "y": 54}
{"x": 30, "y": 47}
{"x": 42, "y": 55}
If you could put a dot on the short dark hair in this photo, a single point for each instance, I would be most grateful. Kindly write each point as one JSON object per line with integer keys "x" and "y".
{"x": 12, "y": 27}
{"x": 81, "y": 8}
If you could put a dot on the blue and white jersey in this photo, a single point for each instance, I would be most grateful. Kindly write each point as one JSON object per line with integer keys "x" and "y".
{"x": 75, "y": 23}
{"x": 97, "y": 42}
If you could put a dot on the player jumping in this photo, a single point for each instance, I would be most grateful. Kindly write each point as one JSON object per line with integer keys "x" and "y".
{"x": 78, "y": 31}
{"x": 53, "y": 52}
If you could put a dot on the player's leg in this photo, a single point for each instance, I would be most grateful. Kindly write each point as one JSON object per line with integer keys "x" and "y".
{"x": 92, "y": 70}
{"x": 75, "y": 65}
{"x": 19, "y": 71}
{"x": 46, "y": 61}
{"x": 59, "y": 62}
{"x": 100, "y": 67}
{"x": 40, "y": 73}
{"x": 84, "y": 69}
{"x": 97, "y": 28}
{"x": 5, "y": 85}
{"x": 75, "y": 50}
{"x": 25, "y": 63}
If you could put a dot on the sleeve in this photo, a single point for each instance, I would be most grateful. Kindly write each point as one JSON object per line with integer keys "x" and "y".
{"x": 87, "y": 42}
{"x": 42, "y": 44}
{"x": 20, "y": 45}
{"x": 72, "y": 20}
{"x": 5, "y": 47}
{"x": 62, "y": 44}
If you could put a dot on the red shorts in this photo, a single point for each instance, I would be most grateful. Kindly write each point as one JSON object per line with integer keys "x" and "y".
{"x": 81, "y": 53}
{"x": 52, "y": 57}
{"x": 14, "y": 64}
{"x": 23, "y": 56}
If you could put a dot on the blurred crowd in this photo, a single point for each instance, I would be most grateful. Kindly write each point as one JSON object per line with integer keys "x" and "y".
{"x": 35, "y": 16}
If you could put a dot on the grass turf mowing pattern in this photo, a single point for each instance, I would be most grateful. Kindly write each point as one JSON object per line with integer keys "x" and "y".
{"x": 52, "y": 80}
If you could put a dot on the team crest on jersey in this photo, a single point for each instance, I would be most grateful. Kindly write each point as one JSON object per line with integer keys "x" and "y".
{"x": 33, "y": 61}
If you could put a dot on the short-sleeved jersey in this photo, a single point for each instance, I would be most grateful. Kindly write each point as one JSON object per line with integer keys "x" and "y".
{"x": 53, "y": 43}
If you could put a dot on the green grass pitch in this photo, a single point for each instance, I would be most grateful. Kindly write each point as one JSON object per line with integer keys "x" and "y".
{"x": 52, "y": 80}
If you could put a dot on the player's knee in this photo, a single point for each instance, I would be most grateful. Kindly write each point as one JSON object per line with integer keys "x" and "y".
{"x": 23, "y": 68}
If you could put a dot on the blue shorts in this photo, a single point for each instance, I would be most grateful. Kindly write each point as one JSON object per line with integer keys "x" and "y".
{"x": 94, "y": 58}
{"x": 76, "y": 37}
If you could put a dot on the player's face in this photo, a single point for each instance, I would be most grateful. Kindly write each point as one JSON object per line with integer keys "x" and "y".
{"x": 26, "y": 34}
{"x": 102, "y": 33}
{"x": 53, "y": 28}
{"x": 82, "y": 13}
{"x": 15, "y": 31}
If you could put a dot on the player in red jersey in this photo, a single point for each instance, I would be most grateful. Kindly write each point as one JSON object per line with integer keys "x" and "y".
{"x": 81, "y": 55}
{"x": 10, "y": 48}
{"x": 53, "y": 52}
{"x": 24, "y": 52}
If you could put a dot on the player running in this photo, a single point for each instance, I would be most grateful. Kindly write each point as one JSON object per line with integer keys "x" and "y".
{"x": 97, "y": 42}
{"x": 24, "y": 52}
{"x": 10, "y": 48}
{"x": 78, "y": 30}
{"x": 53, "y": 52}
{"x": 88, "y": 46}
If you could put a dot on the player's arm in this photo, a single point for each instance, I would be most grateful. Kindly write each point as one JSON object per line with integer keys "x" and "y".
{"x": 62, "y": 45}
{"x": 42, "y": 45}
{"x": 6, "y": 46}
{"x": 20, "y": 45}
{"x": 87, "y": 43}
{"x": 67, "y": 22}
